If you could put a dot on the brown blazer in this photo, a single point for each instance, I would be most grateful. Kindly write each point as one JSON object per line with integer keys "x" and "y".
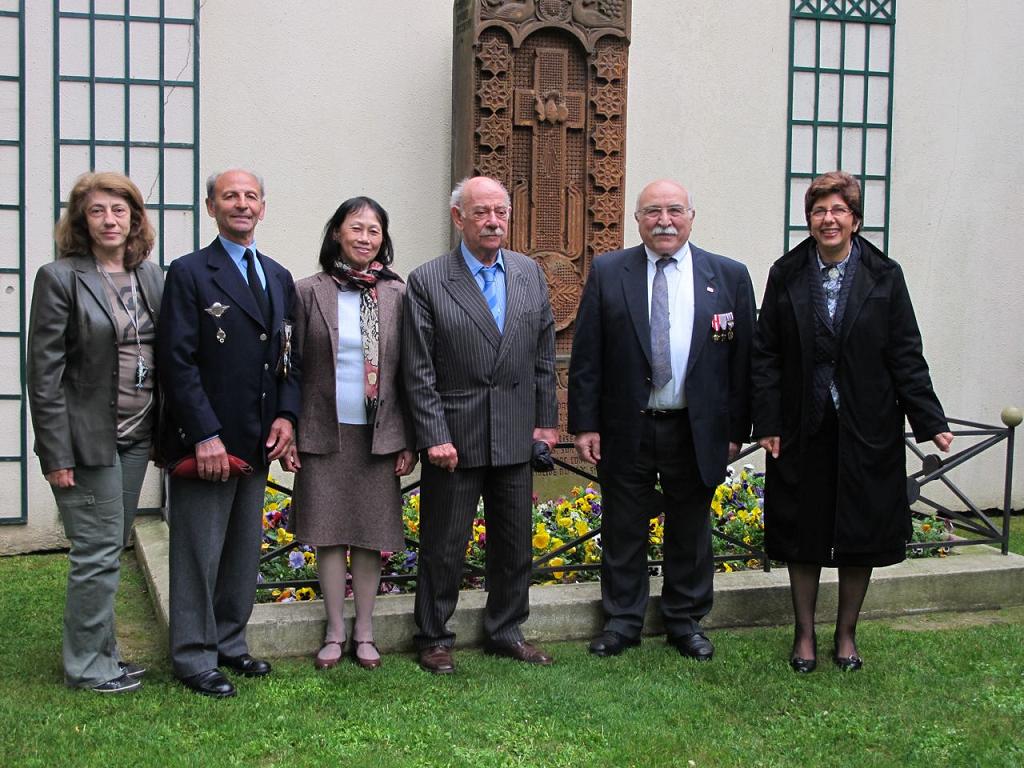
{"x": 316, "y": 335}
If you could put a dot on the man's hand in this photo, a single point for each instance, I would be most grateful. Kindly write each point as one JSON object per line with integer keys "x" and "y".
{"x": 61, "y": 478}
{"x": 548, "y": 434}
{"x": 212, "y": 460}
{"x": 734, "y": 450}
{"x": 444, "y": 456}
{"x": 771, "y": 444}
{"x": 405, "y": 462}
{"x": 588, "y": 446}
{"x": 279, "y": 442}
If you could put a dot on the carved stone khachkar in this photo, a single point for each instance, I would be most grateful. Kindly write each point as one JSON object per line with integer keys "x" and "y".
{"x": 539, "y": 91}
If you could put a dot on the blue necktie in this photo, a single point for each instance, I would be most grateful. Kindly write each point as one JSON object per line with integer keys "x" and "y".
{"x": 491, "y": 293}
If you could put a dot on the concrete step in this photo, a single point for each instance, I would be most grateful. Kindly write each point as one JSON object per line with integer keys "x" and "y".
{"x": 976, "y": 578}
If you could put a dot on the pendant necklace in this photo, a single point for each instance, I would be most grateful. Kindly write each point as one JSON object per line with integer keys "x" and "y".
{"x": 141, "y": 369}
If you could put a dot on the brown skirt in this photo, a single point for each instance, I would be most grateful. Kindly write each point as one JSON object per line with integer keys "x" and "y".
{"x": 349, "y": 498}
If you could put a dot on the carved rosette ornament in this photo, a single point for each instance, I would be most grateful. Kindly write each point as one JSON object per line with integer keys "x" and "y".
{"x": 539, "y": 89}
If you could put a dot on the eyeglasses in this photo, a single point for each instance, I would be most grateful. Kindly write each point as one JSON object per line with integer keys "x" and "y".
{"x": 837, "y": 211}
{"x": 673, "y": 211}
{"x": 482, "y": 214}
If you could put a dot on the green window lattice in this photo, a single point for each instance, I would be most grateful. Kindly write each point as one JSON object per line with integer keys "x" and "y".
{"x": 13, "y": 443}
{"x": 126, "y": 98}
{"x": 840, "y": 104}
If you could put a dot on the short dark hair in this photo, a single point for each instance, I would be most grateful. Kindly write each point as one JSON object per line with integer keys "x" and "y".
{"x": 330, "y": 249}
{"x": 835, "y": 183}
{"x": 72, "y": 231}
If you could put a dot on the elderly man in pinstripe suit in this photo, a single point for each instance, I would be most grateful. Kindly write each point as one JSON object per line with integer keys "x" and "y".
{"x": 478, "y": 359}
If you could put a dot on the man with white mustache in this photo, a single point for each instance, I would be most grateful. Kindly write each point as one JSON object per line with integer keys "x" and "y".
{"x": 478, "y": 359}
{"x": 659, "y": 395}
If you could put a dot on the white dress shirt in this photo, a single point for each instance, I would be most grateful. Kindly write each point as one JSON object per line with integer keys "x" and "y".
{"x": 349, "y": 372}
{"x": 679, "y": 277}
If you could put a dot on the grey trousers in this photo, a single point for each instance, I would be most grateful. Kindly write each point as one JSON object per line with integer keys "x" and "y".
{"x": 97, "y": 514}
{"x": 214, "y": 557}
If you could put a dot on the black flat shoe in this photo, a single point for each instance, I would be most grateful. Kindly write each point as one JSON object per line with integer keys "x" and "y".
{"x": 803, "y": 666}
{"x": 610, "y": 643}
{"x": 209, "y": 683}
{"x": 244, "y": 664}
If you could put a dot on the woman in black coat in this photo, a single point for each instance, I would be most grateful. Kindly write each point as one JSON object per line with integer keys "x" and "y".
{"x": 837, "y": 365}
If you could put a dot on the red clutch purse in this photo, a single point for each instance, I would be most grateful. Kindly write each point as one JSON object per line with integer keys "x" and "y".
{"x": 187, "y": 467}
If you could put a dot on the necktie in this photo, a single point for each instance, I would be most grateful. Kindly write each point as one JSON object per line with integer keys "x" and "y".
{"x": 661, "y": 354}
{"x": 491, "y": 293}
{"x": 256, "y": 286}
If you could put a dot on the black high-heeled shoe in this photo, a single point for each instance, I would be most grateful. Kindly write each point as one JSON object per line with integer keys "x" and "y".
{"x": 804, "y": 666}
{"x": 845, "y": 663}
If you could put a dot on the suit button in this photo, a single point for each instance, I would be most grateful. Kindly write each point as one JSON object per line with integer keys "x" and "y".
{"x": 266, "y": 366}
{"x": 263, "y": 396}
{"x": 263, "y": 337}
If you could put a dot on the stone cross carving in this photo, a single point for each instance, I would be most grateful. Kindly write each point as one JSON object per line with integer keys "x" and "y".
{"x": 539, "y": 103}
{"x": 555, "y": 222}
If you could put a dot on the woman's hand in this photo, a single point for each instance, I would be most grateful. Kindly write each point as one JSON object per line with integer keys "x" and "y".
{"x": 943, "y": 440}
{"x": 405, "y": 462}
{"x": 290, "y": 460}
{"x": 61, "y": 478}
{"x": 771, "y": 444}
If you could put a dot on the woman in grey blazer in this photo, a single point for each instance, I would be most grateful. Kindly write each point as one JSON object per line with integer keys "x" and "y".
{"x": 90, "y": 367}
{"x": 353, "y": 438}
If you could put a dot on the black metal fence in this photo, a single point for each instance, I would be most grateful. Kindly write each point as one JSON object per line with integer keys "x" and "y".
{"x": 972, "y": 525}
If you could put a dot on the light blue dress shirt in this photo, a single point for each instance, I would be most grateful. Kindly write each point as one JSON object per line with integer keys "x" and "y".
{"x": 237, "y": 254}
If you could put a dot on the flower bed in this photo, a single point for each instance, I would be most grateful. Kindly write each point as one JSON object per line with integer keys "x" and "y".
{"x": 736, "y": 512}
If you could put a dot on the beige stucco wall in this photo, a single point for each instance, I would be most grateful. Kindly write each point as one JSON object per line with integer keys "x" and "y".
{"x": 331, "y": 99}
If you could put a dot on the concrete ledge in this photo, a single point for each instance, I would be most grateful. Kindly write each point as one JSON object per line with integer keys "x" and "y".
{"x": 978, "y": 578}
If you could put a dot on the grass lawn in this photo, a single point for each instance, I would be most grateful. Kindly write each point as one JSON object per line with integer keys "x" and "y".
{"x": 938, "y": 690}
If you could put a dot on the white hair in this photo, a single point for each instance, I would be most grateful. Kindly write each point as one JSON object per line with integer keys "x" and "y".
{"x": 455, "y": 201}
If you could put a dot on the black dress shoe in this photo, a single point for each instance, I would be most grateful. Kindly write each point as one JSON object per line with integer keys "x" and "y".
{"x": 694, "y": 646}
{"x": 244, "y": 665}
{"x": 209, "y": 683}
{"x": 803, "y": 666}
{"x": 610, "y": 643}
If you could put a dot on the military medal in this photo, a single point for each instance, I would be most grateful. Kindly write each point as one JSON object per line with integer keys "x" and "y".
{"x": 215, "y": 310}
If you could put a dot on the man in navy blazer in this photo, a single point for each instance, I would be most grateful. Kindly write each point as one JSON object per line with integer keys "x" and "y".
{"x": 672, "y": 411}
{"x": 221, "y": 344}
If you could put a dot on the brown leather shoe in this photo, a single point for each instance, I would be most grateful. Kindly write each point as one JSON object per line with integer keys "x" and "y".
{"x": 437, "y": 659}
{"x": 521, "y": 651}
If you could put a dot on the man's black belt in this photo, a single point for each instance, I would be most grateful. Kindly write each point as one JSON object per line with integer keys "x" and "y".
{"x": 661, "y": 413}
